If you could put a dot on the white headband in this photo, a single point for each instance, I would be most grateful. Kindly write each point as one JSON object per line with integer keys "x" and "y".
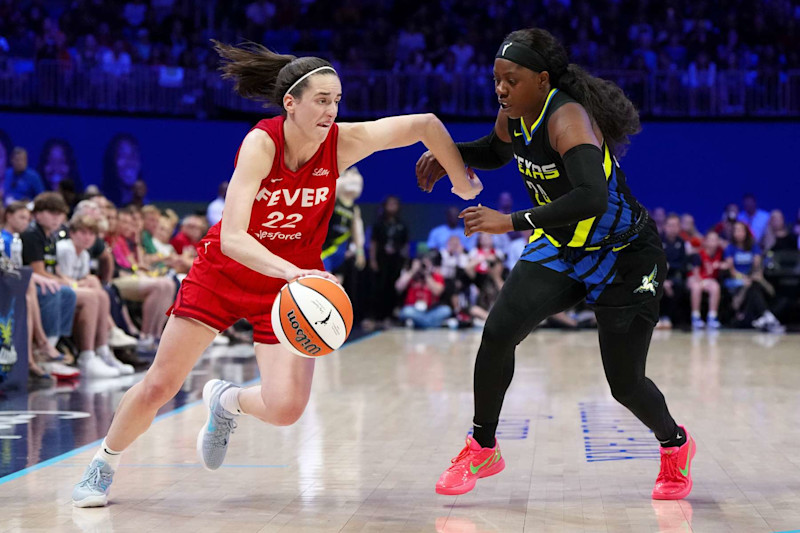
{"x": 304, "y": 76}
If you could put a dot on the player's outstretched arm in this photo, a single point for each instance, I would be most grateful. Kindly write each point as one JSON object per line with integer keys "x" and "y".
{"x": 255, "y": 162}
{"x": 489, "y": 152}
{"x": 361, "y": 139}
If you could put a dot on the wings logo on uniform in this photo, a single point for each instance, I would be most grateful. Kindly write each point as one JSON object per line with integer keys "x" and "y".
{"x": 649, "y": 282}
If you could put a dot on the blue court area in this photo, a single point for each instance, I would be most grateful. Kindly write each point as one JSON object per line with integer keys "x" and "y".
{"x": 39, "y": 427}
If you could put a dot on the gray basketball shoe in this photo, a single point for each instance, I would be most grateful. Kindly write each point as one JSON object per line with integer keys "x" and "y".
{"x": 212, "y": 441}
{"x": 92, "y": 490}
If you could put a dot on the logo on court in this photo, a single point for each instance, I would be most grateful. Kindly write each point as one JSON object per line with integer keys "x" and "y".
{"x": 649, "y": 283}
{"x": 11, "y": 420}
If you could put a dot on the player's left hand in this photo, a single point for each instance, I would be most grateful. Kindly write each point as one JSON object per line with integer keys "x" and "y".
{"x": 428, "y": 171}
{"x": 473, "y": 189}
{"x": 479, "y": 218}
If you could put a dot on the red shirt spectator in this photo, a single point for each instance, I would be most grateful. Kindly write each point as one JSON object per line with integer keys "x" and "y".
{"x": 418, "y": 291}
{"x": 710, "y": 265}
{"x": 179, "y": 241}
{"x": 192, "y": 230}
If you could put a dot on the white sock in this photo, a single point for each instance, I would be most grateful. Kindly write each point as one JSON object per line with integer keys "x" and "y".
{"x": 85, "y": 355}
{"x": 103, "y": 351}
{"x": 712, "y": 315}
{"x": 108, "y": 455}
{"x": 230, "y": 400}
{"x": 695, "y": 314}
{"x": 52, "y": 340}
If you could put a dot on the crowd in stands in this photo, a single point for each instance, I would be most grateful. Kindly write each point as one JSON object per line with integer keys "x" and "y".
{"x": 741, "y": 273}
{"x": 103, "y": 277}
{"x": 106, "y": 272}
{"x": 411, "y": 36}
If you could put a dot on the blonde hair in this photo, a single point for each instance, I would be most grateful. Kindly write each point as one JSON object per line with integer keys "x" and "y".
{"x": 84, "y": 222}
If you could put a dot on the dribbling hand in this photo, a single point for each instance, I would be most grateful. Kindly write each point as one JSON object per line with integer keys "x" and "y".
{"x": 300, "y": 273}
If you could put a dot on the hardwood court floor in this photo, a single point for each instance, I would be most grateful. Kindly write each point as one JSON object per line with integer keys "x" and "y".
{"x": 388, "y": 413}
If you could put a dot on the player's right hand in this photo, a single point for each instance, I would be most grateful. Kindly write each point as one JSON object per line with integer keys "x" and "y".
{"x": 301, "y": 273}
{"x": 429, "y": 171}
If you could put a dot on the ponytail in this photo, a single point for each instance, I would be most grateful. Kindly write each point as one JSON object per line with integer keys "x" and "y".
{"x": 605, "y": 102}
{"x": 260, "y": 74}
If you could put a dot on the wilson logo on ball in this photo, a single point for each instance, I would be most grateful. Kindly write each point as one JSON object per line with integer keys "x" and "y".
{"x": 300, "y": 338}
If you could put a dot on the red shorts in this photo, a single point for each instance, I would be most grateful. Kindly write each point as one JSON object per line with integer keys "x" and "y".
{"x": 218, "y": 291}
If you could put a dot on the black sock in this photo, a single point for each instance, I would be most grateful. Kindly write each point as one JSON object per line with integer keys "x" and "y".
{"x": 484, "y": 434}
{"x": 678, "y": 440}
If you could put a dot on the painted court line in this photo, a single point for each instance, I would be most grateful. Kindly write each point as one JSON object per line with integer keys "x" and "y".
{"x": 58, "y": 458}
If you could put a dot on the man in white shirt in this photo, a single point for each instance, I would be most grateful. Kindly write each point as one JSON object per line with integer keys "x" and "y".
{"x": 91, "y": 330}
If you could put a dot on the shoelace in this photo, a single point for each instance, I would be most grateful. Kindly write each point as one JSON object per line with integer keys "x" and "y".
{"x": 220, "y": 438}
{"x": 461, "y": 455}
{"x": 96, "y": 477}
{"x": 669, "y": 468}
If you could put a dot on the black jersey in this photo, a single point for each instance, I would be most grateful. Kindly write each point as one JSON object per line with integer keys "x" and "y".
{"x": 545, "y": 178}
{"x": 340, "y": 227}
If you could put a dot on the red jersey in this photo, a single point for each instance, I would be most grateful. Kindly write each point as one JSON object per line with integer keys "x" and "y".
{"x": 292, "y": 209}
{"x": 290, "y": 217}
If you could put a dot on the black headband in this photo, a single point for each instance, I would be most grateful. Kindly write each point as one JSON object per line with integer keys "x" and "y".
{"x": 522, "y": 54}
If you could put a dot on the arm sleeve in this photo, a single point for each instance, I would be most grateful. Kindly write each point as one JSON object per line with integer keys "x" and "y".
{"x": 588, "y": 197}
{"x": 486, "y": 153}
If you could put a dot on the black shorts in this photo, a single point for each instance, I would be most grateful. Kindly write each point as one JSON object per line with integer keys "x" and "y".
{"x": 620, "y": 281}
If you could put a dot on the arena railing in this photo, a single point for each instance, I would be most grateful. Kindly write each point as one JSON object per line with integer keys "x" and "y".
{"x": 171, "y": 90}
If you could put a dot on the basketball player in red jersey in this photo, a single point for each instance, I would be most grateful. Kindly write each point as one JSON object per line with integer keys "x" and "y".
{"x": 279, "y": 202}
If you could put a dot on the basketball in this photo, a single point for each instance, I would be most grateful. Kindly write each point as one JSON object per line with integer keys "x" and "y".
{"x": 312, "y": 316}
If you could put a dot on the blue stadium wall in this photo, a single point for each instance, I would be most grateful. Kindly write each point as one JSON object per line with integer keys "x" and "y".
{"x": 684, "y": 166}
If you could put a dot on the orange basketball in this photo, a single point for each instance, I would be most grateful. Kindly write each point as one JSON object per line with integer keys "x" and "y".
{"x": 312, "y": 316}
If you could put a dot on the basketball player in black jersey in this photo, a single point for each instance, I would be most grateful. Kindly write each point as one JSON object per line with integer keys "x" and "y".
{"x": 591, "y": 240}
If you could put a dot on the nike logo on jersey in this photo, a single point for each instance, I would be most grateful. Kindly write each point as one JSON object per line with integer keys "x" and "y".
{"x": 307, "y": 197}
{"x": 517, "y": 134}
{"x": 320, "y": 172}
{"x": 275, "y": 180}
